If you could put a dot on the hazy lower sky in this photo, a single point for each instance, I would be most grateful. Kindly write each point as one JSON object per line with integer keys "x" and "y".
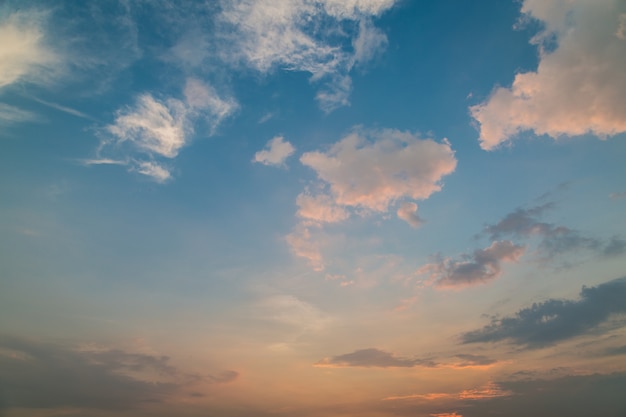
{"x": 312, "y": 208}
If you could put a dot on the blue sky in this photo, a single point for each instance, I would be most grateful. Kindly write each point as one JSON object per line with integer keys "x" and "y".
{"x": 312, "y": 207}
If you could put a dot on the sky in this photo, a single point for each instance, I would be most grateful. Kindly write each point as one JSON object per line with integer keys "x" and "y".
{"x": 337, "y": 208}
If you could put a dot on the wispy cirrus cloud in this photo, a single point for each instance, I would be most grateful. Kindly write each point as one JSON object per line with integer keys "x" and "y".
{"x": 160, "y": 128}
{"x": 578, "y": 85}
{"x": 276, "y": 152}
{"x": 482, "y": 266}
{"x": 25, "y": 55}
{"x": 551, "y": 321}
{"x": 304, "y": 35}
{"x": 11, "y": 114}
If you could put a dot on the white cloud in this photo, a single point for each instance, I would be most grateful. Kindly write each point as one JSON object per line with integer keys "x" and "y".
{"x": 372, "y": 170}
{"x": 153, "y": 126}
{"x": 304, "y": 246}
{"x": 289, "y": 34}
{"x": 320, "y": 208}
{"x": 202, "y": 98}
{"x": 11, "y": 114}
{"x": 275, "y": 153}
{"x": 153, "y": 170}
{"x": 578, "y": 88}
{"x": 408, "y": 212}
{"x": 24, "y": 56}
{"x": 370, "y": 41}
{"x": 161, "y": 128}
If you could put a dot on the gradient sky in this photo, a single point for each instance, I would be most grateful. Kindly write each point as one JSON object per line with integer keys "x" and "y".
{"x": 313, "y": 208}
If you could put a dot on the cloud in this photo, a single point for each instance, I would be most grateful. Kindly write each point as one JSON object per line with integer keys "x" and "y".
{"x": 161, "y": 128}
{"x": 203, "y": 100}
{"x": 24, "y": 55}
{"x": 408, "y": 212}
{"x": 303, "y": 245}
{"x": 482, "y": 266}
{"x": 555, "y": 239}
{"x": 473, "y": 361}
{"x": 617, "y": 196}
{"x": 487, "y": 391}
{"x": 579, "y": 85}
{"x": 276, "y": 152}
{"x": 370, "y": 358}
{"x": 304, "y": 35}
{"x": 153, "y": 170}
{"x": 10, "y": 114}
{"x": 64, "y": 109}
{"x": 552, "y": 321}
{"x": 37, "y": 375}
{"x": 153, "y": 126}
{"x": 372, "y": 170}
{"x": 319, "y": 208}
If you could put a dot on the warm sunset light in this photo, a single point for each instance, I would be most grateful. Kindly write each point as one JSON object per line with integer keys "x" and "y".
{"x": 312, "y": 208}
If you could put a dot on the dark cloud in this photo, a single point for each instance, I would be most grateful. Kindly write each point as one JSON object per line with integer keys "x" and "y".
{"x": 572, "y": 396}
{"x": 554, "y": 320}
{"x": 554, "y": 239}
{"x": 40, "y": 375}
{"x": 370, "y": 358}
{"x": 481, "y": 266}
{"x": 35, "y": 375}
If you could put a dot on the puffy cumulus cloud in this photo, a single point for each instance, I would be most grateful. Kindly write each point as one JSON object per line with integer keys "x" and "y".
{"x": 554, "y": 320}
{"x": 304, "y": 35}
{"x": 319, "y": 208}
{"x": 372, "y": 357}
{"x": 579, "y": 85}
{"x": 24, "y": 55}
{"x": 275, "y": 153}
{"x": 408, "y": 212}
{"x": 374, "y": 170}
{"x": 481, "y": 266}
{"x": 554, "y": 239}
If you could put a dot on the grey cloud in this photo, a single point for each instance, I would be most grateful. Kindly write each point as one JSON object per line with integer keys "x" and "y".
{"x": 370, "y": 358}
{"x": 468, "y": 360}
{"x": 481, "y": 266}
{"x": 555, "y": 320}
{"x": 40, "y": 375}
{"x": 554, "y": 239}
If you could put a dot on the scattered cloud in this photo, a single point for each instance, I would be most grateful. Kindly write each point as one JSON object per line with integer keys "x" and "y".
{"x": 153, "y": 126}
{"x": 303, "y": 245}
{"x": 64, "y": 109}
{"x": 276, "y": 152}
{"x": 487, "y": 391}
{"x": 161, "y": 128}
{"x": 38, "y": 375}
{"x": 372, "y": 357}
{"x": 304, "y": 35}
{"x": 482, "y": 266}
{"x": 472, "y": 361}
{"x": 372, "y": 170}
{"x": 554, "y": 320}
{"x": 408, "y": 212}
{"x": 319, "y": 208}
{"x": 11, "y": 114}
{"x": 24, "y": 55}
{"x": 618, "y": 196}
{"x": 579, "y": 85}
{"x": 555, "y": 239}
